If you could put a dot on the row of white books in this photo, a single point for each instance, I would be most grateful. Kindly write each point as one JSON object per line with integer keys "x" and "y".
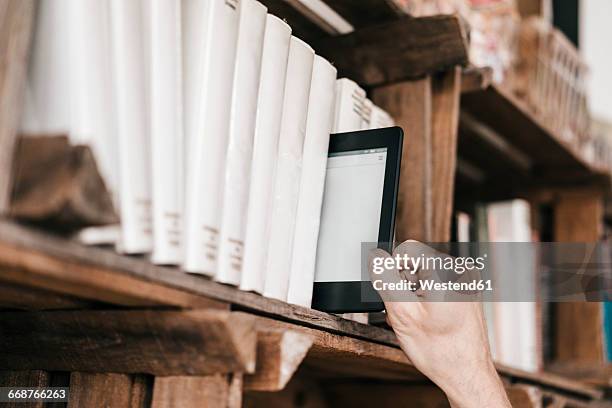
{"x": 210, "y": 123}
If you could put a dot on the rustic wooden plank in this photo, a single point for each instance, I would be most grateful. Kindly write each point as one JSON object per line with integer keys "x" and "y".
{"x": 279, "y": 354}
{"x": 578, "y": 336}
{"x": 198, "y": 342}
{"x": 446, "y": 91}
{"x": 409, "y": 103}
{"x": 191, "y": 392}
{"x": 235, "y": 390}
{"x": 498, "y": 108}
{"x": 403, "y": 49}
{"x": 27, "y": 268}
{"x": 341, "y": 356}
{"x": 58, "y": 185}
{"x": 549, "y": 382}
{"x": 108, "y": 390}
{"x": 16, "y": 27}
{"x": 101, "y": 274}
{"x": 524, "y": 396}
{"x": 27, "y": 298}
{"x": 34, "y": 378}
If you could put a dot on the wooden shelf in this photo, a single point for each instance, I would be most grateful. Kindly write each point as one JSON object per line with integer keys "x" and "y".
{"x": 97, "y": 285}
{"x": 502, "y": 139}
{"x": 387, "y": 45}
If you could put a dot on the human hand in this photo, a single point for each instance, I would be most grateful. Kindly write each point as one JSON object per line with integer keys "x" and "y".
{"x": 446, "y": 341}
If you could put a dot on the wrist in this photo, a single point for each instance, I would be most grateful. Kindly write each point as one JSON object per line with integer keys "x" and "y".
{"x": 476, "y": 386}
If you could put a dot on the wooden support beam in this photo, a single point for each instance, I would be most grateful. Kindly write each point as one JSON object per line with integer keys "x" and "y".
{"x": 279, "y": 354}
{"x": 446, "y": 92}
{"x": 409, "y": 103}
{"x": 198, "y": 392}
{"x": 407, "y": 48}
{"x": 35, "y": 378}
{"x": 198, "y": 342}
{"x": 476, "y": 79}
{"x": 16, "y": 28}
{"x": 578, "y": 337}
{"x": 108, "y": 390}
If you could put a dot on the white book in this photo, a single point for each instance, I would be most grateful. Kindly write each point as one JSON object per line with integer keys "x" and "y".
{"x": 366, "y": 116}
{"x": 166, "y": 131}
{"x": 208, "y": 128}
{"x": 314, "y": 163}
{"x": 348, "y": 111}
{"x": 240, "y": 144}
{"x": 69, "y": 88}
{"x": 379, "y": 118}
{"x": 277, "y": 38}
{"x": 129, "y": 32}
{"x": 515, "y": 323}
{"x": 288, "y": 169}
{"x": 334, "y": 21}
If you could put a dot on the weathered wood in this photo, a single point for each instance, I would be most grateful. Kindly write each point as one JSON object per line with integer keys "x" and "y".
{"x": 58, "y": 185}
{"x": 101, "y": 274}
{"x": 198, "y": 342}
{"x": 524, "y": 396}
{"x": 409, "y": 103}
{"x": 35, "y": 378}
{"x": 235, "y": 390}
{"x": 407, "y": 48}
{"x": 578, "y": 333}
{"x": 86, "y": 281}
{"x": 303, "y": 391}
{"x": 511, "y": 117}
{"x": 108, "y": 390}
{"x": 279, "y": 354}
{"x": 27, "y": 298}
{"x": 16, "y": 28}
{"x": 191, "y": 392}
{"x": 446, "y": 91}
{"x": 340, "y": 356}
{"x": 367, "y": 394}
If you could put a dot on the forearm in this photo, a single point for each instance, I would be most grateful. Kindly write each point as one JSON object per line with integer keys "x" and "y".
{"x": 481, "y": 388}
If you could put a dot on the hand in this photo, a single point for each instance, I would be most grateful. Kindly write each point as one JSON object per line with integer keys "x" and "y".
{"x": 446, "y": 341}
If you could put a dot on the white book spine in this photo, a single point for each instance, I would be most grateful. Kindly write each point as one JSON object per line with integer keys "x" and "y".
{"x": 166, "y": 131}
{"x": 129, "y": 23}
{"x": 380, "y": 118}
{"x": 240, "y": 144}
{"x": 316, "y": 145}
{"x": 288, "y": 170}
{"x": 47, "y": 107}
{"x": 277, "y": 38}
{"x": 349, "y": 106}
{"x": 208, "y": 136}
{"x": 366, "y": 114}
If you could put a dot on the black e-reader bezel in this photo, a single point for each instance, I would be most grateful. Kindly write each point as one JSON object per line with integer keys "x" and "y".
{"x": 346, "y": 297}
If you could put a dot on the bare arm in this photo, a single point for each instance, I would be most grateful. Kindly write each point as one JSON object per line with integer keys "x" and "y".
{"x": 447, "y": 341}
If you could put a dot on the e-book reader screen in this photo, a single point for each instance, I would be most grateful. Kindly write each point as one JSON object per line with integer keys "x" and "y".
{"x": 351, "y": 212}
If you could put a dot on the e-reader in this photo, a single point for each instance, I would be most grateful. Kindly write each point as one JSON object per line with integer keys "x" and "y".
{"x": 359, "y": 204}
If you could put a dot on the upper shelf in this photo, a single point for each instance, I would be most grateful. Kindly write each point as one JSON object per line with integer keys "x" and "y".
{"x": 386, "y": 45}
{"x": 39, "y": 271}
{"x": 501, "y": 138}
